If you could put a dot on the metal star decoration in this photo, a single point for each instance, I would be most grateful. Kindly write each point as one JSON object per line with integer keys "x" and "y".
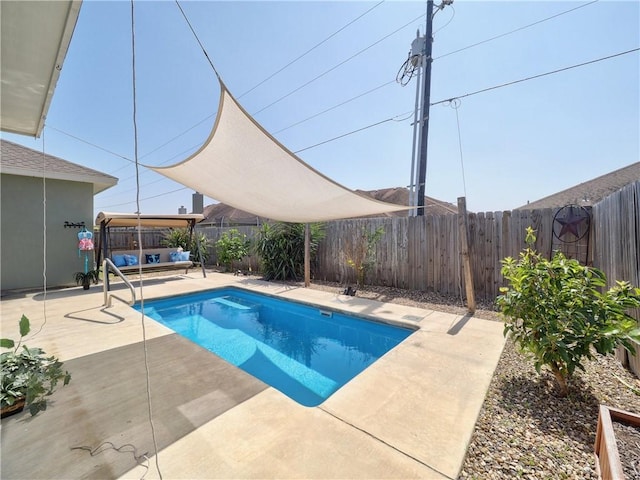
{"x": 571, "y": 221}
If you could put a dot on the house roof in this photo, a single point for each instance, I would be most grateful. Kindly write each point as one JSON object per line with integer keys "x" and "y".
{"x": 590, "y": 192}
{"x": 35, "y": 37}
{"x": 400, "y": 196}
{"x": 220, "y": 212}
{"x": 20, "y": 160}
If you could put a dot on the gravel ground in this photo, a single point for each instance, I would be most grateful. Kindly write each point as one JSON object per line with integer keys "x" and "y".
{"x": 524, "y": 430}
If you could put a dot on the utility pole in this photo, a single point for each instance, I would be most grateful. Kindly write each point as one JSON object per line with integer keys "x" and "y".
{"x": 426, "y": 99}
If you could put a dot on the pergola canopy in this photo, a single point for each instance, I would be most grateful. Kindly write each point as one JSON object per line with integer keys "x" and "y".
{"x": 243, "y": 166}
{"x": 108, "y": 219}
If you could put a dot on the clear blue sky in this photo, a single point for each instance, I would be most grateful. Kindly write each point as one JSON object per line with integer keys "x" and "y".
{"x": 519, "y": 143}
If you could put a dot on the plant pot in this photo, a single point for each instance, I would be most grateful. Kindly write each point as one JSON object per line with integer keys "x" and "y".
{"x": 608, "y": 464}
{"x": 17, "y": 407}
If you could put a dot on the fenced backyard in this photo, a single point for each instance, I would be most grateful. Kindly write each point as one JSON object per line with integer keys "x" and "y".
{"x": 424, "y": 253}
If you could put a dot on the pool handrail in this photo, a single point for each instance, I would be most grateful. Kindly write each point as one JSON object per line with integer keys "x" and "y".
{"x": 107, "y": 296}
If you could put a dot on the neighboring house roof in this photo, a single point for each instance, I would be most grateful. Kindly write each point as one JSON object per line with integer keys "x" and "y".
{"x": 400, "y": 196}
{"x": 217, "y": 213}
{"x": 591, "y": 192}
{"x": 19, "y": 160}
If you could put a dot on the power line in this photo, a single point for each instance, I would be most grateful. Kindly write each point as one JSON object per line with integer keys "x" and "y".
{"x": 452, "y": 99}
{"x": 334, "y": 107}
{"x": 331, "y": 108}
{"x": 338, "y": 65}
{"x": 146, "y": 198}
{"x": 311, "y": 49}
{"x": 92, "y": 144}
{"x": 358, "y": 96}
{"x": 536, "y": 76}
{"x": 352, "y": 132}
{"x": 516, "y": 30}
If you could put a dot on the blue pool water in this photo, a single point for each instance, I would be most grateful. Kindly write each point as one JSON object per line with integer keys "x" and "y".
{"x": 305, "y": 352}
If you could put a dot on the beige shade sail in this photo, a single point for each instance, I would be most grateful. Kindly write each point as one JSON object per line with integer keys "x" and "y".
{"x": 242, "y": 165}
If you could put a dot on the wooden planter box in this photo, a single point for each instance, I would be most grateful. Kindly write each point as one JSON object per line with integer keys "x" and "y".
{"x": 608, "y": 463}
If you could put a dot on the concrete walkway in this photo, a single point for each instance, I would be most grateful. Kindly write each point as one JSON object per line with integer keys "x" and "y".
{"x": 409, "y": 415}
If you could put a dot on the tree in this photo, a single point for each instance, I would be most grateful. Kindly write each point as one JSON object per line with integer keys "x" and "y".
{"x": 555, "y": 311}
{"x": 360, "y": 253}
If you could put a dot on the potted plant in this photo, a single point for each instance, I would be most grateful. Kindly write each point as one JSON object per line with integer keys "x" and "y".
{"x": 28, "y": 376}
{"x": 85, "y": 278}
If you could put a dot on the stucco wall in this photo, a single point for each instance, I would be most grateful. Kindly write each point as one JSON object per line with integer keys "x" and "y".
{"x": 21, "y": 231}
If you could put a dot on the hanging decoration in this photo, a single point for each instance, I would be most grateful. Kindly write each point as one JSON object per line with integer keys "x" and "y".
{"x": 571, "y": 226}
{"x": 85, "y": 245}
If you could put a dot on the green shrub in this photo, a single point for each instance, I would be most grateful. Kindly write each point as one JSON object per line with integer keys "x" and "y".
{"x": 232, "y": 246}
{"x": 555, "y": 310}
{"x": 280, "y": 247}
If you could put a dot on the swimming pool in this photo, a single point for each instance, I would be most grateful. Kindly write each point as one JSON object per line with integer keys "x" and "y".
{"x": 306, "y": 352}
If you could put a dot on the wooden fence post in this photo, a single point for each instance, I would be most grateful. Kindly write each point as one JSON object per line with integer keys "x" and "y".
{"x": 307, "y": 255}
{"x": 466, "y": 262}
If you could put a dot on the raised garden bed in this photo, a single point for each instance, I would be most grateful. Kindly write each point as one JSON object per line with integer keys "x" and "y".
{"x": 617, "y": 437}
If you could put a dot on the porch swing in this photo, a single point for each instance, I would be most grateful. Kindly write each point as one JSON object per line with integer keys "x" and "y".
{"x": 122, "y": 262}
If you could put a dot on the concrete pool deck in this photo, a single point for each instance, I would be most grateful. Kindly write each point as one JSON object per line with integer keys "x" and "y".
{"x": 409, "y": 415}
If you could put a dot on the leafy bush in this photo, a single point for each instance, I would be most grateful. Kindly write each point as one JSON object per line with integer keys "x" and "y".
{"x": 360, "y": 254}
{"x": 179, "y": 237}
{"x": 232, "y": 246}
{"x": 555, "y": 310}
{"x": 280, "y": 247}
{"x": 28, "y": 373}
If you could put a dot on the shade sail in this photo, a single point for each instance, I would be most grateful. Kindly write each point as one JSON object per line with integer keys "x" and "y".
{"x": 110, "y": 219}
{"x": 242, "y": 165}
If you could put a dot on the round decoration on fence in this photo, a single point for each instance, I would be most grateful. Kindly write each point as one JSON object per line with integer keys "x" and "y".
{"x": 571, "y": 223}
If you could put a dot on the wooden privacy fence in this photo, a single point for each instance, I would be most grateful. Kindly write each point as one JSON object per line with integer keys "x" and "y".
{"x": 424, "y": 253}
{"x": 617, "y": 236}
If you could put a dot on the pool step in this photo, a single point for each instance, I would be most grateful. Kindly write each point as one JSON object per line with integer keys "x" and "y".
{"x": 231, "y": 303}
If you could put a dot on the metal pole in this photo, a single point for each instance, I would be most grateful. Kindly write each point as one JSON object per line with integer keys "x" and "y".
{"x": 426, "y": 99}
{"x": 416, "y": 132}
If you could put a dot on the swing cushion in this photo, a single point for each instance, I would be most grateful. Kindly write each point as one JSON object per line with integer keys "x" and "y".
{"x": 119, "y": 260}
{"x": 184, "y": 256}
{"x": 174, "y": 256}
{"x": 131, "y": 260}
{"x": 152, "y": 257}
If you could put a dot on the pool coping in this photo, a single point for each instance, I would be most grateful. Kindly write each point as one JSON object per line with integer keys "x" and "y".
{"x": 410, "y": 415}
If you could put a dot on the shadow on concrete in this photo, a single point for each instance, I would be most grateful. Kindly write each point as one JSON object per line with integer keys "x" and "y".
{"x": 106, "y": 401}
{"x": 456, "y": 327}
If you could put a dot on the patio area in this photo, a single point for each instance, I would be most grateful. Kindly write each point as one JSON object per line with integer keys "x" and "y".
{"x": 409, "y": 415}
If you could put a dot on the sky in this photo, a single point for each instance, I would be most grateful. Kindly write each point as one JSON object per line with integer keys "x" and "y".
{"x": 310, "y": 72}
